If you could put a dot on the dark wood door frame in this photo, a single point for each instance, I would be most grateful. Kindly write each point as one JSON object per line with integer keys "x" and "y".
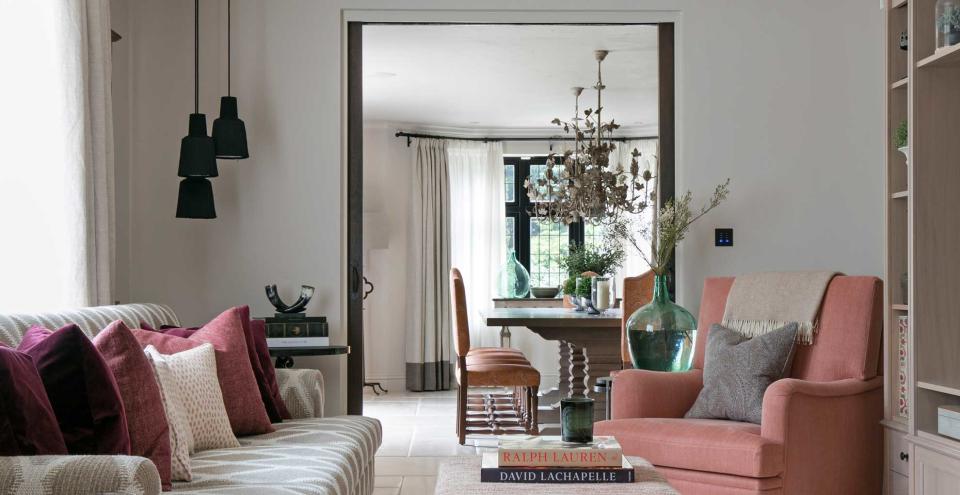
{"x": 355, "y": 217}
{"x": 666, "y": 186}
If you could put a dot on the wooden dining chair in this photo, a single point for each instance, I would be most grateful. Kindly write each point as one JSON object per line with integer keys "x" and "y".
{"x": 637, "y": 292}
{"x": 491, "y": 367}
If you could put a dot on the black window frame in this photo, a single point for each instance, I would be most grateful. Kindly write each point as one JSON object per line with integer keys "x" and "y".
{"x": 521, "y": 208}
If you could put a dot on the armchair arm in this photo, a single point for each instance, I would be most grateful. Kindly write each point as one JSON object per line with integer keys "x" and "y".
{"x": 79, "y": 474}
{"x": 830, "y": 432}
{"x": 654, "y": 394}
{"x": 301, "y": 391}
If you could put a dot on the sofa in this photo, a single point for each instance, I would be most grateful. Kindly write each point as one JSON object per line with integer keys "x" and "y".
{"x": 309, "y": 454}
{"x": 820, "y": 429}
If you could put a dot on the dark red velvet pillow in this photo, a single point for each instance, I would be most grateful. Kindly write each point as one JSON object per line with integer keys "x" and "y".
{"x": 258, "y": 330}
{"x": 28, "y": 425}
{"x": 146, "y": 420}
{"x": 81, "y": 388}
{"x": 260, "y": 362}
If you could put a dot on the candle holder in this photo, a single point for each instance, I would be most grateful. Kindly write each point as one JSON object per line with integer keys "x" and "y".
{"x": 576, "y": 419}
{"x": 600, "y": 293}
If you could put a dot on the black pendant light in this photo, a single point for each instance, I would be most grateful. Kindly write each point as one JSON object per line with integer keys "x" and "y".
{"x": 229, "y": 133}
{"x": 198, "y": 159}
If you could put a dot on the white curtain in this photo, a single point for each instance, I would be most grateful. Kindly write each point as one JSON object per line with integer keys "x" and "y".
{"x": 429, "y": 337}
{"x": 634, "y": 264}
{"x": 477, "y": 227}
{"x": 56, "y": 170}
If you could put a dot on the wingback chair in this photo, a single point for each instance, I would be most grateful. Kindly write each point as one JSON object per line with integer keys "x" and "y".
{"x": 820, "y": 428}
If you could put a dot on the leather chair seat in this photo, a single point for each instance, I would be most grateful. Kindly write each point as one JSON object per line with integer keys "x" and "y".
{"x": 501, "y": 375}
{"x": 497, "y": 358}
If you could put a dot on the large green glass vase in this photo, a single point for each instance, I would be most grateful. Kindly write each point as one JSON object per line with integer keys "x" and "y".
{"x": 514, "y": 279}
{"x": 661, "y": 334}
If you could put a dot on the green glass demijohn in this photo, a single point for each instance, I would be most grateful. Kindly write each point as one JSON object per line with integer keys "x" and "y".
{"x": 514, "y": 279}
{"x": 661, "y": 334}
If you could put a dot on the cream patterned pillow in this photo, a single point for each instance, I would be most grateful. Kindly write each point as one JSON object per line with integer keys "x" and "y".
{"x": 181, "y": 438}
{"x": 195, "y": 371}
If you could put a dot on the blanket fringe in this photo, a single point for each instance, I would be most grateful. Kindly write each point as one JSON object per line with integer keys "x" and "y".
{"x": 754, "y": 328}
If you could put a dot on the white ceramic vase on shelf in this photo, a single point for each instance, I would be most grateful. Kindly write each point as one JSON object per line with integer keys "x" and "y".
{"x": 906, "y": 153}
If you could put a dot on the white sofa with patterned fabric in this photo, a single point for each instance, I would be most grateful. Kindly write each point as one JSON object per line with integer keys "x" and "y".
{"x": 307, "y": 455}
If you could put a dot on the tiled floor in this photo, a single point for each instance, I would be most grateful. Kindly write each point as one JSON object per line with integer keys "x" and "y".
{"x": 418, "y": 433}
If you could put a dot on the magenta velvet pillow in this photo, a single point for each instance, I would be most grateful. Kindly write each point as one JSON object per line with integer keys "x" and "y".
{"x": 241, "y": 394}
{"x": 28, "y": 425}
{"x": 260, "y": 362}
{"x": 81, "y": 389}
{"x": 259, "y": 332}
{"x": 146, "y": 421}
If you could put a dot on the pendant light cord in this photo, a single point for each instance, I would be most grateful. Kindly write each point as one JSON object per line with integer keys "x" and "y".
{"x": 196, "y": 56}
{"x": 228, "y": 48}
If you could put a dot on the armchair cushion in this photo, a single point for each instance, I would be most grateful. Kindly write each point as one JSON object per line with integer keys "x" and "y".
{"x": 654, "y": 394}
{"x": 717, "y": 446}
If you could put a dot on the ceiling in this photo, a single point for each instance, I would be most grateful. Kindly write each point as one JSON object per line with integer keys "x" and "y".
{"x": 510, "y": 78}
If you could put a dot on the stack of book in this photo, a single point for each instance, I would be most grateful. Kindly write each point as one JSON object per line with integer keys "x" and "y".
{"x": 297, "y": 330}
{"x": 548, "y": 459}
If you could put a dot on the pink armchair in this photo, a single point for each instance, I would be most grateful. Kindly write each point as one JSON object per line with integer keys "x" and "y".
{"x": 820, "y": 431}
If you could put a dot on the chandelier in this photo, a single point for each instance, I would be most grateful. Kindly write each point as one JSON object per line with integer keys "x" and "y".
{"x": 582, "y": 183}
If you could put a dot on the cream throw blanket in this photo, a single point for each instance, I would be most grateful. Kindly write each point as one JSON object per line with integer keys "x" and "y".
{"x": 761, "y": 302}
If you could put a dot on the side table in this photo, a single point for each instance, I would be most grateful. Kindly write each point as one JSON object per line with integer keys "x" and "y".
{"x": 604, "y": 385}
{"x": 285, "y": 355}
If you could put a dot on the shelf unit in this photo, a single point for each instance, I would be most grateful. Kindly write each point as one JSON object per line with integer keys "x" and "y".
{"x": 921, "y": 239}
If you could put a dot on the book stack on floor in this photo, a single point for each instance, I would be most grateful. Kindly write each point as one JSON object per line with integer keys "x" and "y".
{"x": 548, "y": 459}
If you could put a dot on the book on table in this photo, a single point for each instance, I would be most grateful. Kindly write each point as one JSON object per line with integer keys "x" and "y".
{"x": 552, "y": 451}
{"x": 492, "y": 472}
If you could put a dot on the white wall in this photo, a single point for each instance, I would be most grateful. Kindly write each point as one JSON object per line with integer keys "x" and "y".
{"x": 387, "y": 170}
{"x": 783, "y": 97}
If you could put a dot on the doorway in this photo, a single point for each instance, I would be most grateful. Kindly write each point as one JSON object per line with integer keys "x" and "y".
{"x": 356, "y": 288}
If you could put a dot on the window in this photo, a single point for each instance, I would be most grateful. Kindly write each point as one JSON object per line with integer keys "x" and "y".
{"x": 538, "y": 243}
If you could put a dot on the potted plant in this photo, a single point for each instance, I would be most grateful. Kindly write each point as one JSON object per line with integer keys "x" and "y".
{"x": 948, "y": 23}
{"x": 581, "y": 259}
{"x": 660, "y": 335}
{"x": 900, "y": 136}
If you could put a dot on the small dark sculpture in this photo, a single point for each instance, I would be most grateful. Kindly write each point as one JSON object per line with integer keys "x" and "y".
{"x": 904, "y": 42}
{"x": 306, "y": 292}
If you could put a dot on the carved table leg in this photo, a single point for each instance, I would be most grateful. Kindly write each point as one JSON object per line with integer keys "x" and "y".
{"x": 578, "y": 371}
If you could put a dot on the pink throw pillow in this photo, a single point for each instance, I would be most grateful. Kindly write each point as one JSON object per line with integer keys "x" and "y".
{"x": 260, "y": 361}
{"x": 146, "y": 421}
{"x": 241, "y": 395}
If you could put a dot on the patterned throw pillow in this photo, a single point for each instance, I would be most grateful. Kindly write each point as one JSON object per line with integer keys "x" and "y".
{"x": 737, "y": 371}
{"x": 195, "y": 371}
{"x": 241, "y": 395}
{"x": 181, "y": 438}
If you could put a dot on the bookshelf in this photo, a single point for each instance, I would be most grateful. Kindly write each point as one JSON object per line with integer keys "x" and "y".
{"x": 921, "y": 240}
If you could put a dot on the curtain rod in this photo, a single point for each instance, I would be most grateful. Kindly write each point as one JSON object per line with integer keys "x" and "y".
{"x": 413, "y": 135}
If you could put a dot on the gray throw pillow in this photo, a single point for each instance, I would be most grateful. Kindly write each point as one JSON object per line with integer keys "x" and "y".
{"x": 737, "y": 371}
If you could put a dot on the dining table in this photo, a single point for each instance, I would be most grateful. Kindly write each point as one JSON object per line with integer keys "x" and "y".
{"x": 589, "y": 349}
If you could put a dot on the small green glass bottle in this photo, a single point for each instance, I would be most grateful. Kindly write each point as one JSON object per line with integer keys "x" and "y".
{"x": 661, "y": 335}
